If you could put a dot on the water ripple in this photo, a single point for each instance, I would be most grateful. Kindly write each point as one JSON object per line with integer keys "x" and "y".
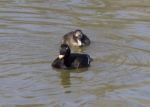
{"x": 30, "y": 34}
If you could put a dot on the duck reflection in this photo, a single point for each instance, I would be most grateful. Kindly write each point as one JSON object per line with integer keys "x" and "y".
{"x": 65, "y": 76}
{"x": 65, "y": 79}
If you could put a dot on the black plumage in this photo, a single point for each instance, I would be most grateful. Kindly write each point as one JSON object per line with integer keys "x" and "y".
{"x": 67, "y": 60}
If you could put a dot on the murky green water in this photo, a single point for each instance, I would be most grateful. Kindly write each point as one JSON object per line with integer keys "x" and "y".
{"x": 30, "y": 32}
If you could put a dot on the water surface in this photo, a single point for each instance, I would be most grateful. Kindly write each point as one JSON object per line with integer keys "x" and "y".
{"x": 30, "y": 34}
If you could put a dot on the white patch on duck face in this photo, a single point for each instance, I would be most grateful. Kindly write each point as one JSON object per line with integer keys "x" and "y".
{"x": 67, "y": 48}
{"x": 61, "y": 56}
{"x": 77, "y": 34}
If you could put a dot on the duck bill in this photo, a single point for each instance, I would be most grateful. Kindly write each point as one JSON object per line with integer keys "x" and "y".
{"x": 61, "y": 56}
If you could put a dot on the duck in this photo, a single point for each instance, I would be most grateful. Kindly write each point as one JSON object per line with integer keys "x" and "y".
{"x": 76, "y": 38}
{"x": 68, "y": 60}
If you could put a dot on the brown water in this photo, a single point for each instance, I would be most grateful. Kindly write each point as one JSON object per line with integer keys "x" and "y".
{"x": 30, "y": 33}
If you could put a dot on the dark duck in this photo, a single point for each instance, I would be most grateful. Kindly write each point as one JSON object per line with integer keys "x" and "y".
{"x": 68, "y": 60}
{"x": 76, "y": 38}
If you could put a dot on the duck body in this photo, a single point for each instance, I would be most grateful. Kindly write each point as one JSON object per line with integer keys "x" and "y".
{"x": 67, "y": 60}
{"x": 74, "y": 60}
{"x": 76, "y": 38}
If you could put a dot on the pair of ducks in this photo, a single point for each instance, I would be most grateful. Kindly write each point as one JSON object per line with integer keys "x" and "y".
{"x": 68, "y": 60}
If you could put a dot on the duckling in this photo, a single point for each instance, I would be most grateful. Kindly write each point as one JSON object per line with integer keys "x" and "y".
{"x": 76, "y": 38}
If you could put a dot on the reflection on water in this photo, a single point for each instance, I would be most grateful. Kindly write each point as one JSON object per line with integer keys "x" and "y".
{"x": 30, "y": 35}
{"x": 65, "y": 79}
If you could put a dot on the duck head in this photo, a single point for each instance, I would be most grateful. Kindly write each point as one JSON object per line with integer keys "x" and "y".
{"x": 78, "y": 35}
{"x": 64, "y": 51}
